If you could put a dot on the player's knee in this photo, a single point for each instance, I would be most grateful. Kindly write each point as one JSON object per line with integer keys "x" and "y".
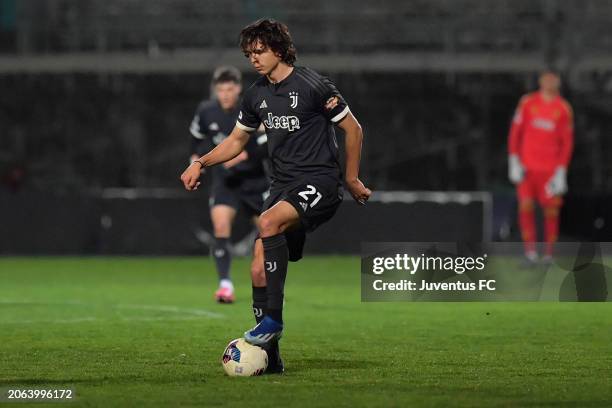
{"x": 258, "y": 275}
{"x": 268, "y": 226}
{"x": 222, "y": 228}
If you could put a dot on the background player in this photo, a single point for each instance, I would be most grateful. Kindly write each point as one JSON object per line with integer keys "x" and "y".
{"x": 240, "y": 182}
{"x": 298, "y": 108}
{"x": 540, "y": 147}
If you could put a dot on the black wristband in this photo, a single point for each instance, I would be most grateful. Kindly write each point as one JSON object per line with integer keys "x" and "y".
{"x": 199, "y": 162}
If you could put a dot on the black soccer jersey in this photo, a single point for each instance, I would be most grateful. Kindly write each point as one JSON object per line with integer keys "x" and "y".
{"x": 301, "y": 138}
{"x": 210, "y": 127}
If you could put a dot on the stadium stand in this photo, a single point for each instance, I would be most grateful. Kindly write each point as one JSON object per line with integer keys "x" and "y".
{"x": 352, "y": 26}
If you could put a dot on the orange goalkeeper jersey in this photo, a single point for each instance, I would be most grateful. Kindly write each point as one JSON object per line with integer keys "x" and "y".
{"x": 542, "y": 132}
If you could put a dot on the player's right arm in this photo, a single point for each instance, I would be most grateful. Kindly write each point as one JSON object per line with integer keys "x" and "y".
{"x": 516, "y": 129}
{"x": 232, "y": 146}
{"x": 226, "y": 150}
{"x": 259, "y": 153}
{"x": 515, "y": 167}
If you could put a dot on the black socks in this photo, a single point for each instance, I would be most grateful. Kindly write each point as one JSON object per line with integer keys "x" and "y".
{"x": 276, "y": 260}
{"x": 222, "y": 257}
{"x": 260, "y": 299}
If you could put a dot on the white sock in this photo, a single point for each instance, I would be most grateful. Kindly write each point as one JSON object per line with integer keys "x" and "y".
{"x": 226, "y": 283}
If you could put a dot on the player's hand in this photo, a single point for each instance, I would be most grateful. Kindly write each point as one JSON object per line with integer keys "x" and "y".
{"x": 360, "y": 193}
{"x": 191, "y": 175}
{"x": 557, "y": 185}
{"x": 516, "y": 172}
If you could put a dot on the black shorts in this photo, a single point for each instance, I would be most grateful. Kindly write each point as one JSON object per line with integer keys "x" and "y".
{"x": 250, "y": 201}
{"x": 316, "y": 202}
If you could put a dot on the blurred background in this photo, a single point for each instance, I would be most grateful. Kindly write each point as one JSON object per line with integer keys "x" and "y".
{"x": 96, "y": 98}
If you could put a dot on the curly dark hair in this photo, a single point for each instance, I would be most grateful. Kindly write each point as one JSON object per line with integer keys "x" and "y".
{"x": 272, "y": 34}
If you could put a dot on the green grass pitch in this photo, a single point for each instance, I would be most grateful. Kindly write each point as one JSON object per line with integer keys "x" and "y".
{"x": 145, "y": 332}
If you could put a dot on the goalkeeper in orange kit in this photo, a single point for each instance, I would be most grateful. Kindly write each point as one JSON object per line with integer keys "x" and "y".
{"x": 540, "y": 146}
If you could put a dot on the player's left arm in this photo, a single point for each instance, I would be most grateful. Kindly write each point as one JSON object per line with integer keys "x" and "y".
{"x": 557, "y": 185}
{"x": 337, "y": 111}
{"x": 566, "y": 135}
{"x": 353, "y": 141}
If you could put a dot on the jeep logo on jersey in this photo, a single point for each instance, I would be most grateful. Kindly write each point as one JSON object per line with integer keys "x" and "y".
{"x": 282, "y": 122}
{"x": 294, "y": 99}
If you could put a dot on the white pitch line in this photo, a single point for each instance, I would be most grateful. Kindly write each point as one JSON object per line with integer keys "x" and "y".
{"x": 60, "y": 321}
{"x": 180, "y": 312}
{"x": 95, "y": 319}
{"x": 156, "y": 319}
{"x": 172, "y": 309}
{"x": 42, "y": 303}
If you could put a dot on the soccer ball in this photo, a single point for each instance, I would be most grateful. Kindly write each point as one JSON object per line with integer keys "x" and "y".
{"x": 243, "y": 359}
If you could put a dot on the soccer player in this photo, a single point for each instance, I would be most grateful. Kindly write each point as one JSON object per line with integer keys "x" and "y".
{"x": 540, "y": 146}
{"x": 238, "y": 183}
{"x": 299, "y": 108}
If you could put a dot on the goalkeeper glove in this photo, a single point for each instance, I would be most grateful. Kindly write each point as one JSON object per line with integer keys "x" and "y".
{"x": 516, "y": 172}
{"x": 557, "y": 185}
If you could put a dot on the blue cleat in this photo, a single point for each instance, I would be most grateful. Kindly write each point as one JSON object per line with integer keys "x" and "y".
{"x": 266, "y": 331}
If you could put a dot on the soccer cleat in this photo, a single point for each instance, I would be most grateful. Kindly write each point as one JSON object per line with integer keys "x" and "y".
{"x": 266, "y": 331}
{"x": 225, "y": 295}
{"x": 275, "y": 363}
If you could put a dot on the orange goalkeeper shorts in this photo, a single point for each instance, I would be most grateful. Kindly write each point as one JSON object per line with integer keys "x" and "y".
{"x": 533, "y": 187}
